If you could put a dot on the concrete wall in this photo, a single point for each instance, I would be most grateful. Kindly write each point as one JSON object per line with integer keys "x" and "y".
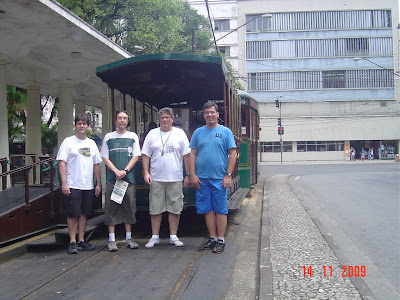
{"x": 331, "y": 121}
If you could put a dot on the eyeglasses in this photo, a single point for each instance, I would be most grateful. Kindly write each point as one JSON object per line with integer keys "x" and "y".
{"x": 165, "y": 118}
{"x": 210, "y": 112}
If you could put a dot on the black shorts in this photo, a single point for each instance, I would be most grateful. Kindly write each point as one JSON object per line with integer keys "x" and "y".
{"x": 79, "y": 202}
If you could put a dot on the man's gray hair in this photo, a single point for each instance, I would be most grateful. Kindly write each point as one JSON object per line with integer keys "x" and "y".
{"x": 166, "y": 110}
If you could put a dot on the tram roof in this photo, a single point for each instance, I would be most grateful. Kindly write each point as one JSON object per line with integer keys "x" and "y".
{"x": 248, "y": 99}
{"x": 164, "y": 78}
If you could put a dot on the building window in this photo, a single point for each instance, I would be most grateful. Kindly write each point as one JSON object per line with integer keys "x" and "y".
{"x": 370, "y": 78}
{"x": 333, "y": 79}
{"x": 307, "y": 80}
{"x": 222, "y": 24}
{"x": 322, "y": 146}
{"x": 313, "y": 80}
{"x": 357, "y": 46}
{"x": 321, "y": 20}
{"x": 276, "y": 147}
{"x": 225, "y": 50}
{"x": 258, "y": 23}
{"x": 258, "y": 49}
{"x": 342, "y": 47}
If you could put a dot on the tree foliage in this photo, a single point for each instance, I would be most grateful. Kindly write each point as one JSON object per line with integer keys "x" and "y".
{"x": 49, "y": 137}
{"x": 146, "y": 26}
{"x": 149, "y": 26}
{"x": 16, "y": 110}
{"x": 16, "y": 105}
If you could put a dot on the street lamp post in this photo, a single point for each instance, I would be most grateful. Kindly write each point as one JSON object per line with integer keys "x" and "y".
{"x": 382, "y": 67}
{"x": 280, "y": 118}
{"x": 278, "y": 104}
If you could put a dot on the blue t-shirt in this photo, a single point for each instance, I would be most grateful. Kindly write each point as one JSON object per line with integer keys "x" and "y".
{"x": 212, "y": 147}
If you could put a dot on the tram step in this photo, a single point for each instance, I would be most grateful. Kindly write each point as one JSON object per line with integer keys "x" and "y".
{"x": 62, "y": 236}
{"x": 237, "y": 198}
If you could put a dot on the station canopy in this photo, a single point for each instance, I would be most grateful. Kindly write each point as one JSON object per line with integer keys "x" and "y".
{"x": 42, "y": 42}
{"x": 167, "y": 78}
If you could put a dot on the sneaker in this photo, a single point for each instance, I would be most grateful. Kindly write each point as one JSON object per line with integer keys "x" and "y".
{"x": 176, "y": 242}
{"x": 208, "y": 245}
{"x": 218, "y": 247}
{"x": 85, "y": 246}
{"x": 72, "y": 249}
{"x": 152, "y": 242}
{"x": 112, "y": 246}
{"x": 131, "y": 244}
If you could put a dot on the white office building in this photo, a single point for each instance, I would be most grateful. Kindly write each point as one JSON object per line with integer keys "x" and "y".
{"x": 333, "y": 66}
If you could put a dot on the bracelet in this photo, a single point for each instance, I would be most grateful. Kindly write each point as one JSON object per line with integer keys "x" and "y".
{"x": 187, "y": 175}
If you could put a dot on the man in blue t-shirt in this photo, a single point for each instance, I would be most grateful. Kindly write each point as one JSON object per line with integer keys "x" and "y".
{"x": 212, "y": 160}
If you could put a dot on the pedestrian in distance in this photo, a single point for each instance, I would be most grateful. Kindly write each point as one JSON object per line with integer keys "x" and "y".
{"x": 164, "y": 150}
{"x": 212, "y": 161}
{"x": 150, "y": 126}
{"x": 120, "y": 152}
{"x": 352, "y": 154}
{"x": 45, "y": 166}
{"x": 44, "y": 153}
{"x": 78, "y": 159}
{"x": 371, "y": 154}
{"x": 178, "y": 123}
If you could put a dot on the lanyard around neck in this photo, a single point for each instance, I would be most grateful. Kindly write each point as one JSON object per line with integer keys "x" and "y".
{"x": 164, "y": 143}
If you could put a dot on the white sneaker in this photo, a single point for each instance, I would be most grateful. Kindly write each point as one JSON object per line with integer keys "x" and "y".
{"x": 152, "y": 242}
{"x": 176, "y": 242}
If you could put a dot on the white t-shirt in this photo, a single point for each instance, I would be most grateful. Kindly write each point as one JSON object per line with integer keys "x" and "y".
{"x": 166, "y": 151}
{"x": 79, "y": 156}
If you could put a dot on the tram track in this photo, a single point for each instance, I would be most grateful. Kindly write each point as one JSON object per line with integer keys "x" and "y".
{"x": 92, "y": 254}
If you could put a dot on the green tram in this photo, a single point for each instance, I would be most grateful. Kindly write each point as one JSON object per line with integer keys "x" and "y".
{"x": 185, "y": 82}
{"x": 248, "y": 168}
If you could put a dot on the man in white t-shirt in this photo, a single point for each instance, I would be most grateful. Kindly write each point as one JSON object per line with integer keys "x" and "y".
{"x": 165, "y": 148}
{"x": 78, "y": 159}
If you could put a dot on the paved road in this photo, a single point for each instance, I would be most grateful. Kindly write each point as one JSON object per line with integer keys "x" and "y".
{"x": 361, "y": 202}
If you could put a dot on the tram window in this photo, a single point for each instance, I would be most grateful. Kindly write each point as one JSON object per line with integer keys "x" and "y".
{"x": 244, "y": 122}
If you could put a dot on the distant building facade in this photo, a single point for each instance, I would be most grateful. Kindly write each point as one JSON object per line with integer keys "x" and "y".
{"x": 332, "y": 66}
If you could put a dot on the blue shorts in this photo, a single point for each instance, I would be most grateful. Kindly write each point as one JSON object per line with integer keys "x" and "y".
{"x": 212, "y": 196}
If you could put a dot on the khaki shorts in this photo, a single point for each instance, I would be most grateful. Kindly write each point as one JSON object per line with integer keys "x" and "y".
{"x": 165, "y": 196}
{"x": 120, "y": 213}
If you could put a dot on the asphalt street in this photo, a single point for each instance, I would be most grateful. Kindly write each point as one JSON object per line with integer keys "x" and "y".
{"x": 356, "y": 208}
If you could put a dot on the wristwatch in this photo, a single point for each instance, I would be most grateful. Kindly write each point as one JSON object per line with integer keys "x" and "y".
{"x": 126, "y": 170}
{"x": 229, "y": 174}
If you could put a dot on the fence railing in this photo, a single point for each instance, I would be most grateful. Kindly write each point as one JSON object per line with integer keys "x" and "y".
{"x": 45, "y": 166}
